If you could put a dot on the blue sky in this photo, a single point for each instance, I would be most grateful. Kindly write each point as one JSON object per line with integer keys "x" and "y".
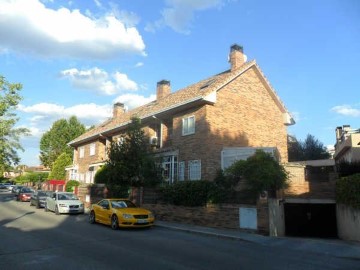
{"x": 80, "y": 57}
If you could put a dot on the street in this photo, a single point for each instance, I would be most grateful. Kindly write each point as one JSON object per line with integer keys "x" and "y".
{"x": 31, "y": 238}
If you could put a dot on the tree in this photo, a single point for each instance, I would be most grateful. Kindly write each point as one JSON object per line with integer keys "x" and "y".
{"x": 261, "y": 172}
{"x": 131, "y": 162}
{"x": 54, "y": 142}
{"x": 58, "y": 170}
{"x": 9, "y": 135}
{"x": 32, "y": 177}
{"x": 310, "y": 149}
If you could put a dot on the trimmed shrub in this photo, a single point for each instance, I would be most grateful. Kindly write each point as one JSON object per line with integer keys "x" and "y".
{"x": 118, "y": 191}
{"x": 348, "y": 191}
{"x": 188, "y": 193}
{"x": 71, "y": 184}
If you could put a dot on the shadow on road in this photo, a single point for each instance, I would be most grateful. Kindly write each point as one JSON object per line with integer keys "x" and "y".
{"x": 5, "y": 221}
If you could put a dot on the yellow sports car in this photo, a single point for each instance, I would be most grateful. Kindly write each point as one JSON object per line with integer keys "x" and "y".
{"x": 120, "y": 213}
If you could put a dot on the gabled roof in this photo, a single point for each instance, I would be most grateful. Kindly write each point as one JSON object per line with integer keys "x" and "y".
{"x": 195, "y": 93}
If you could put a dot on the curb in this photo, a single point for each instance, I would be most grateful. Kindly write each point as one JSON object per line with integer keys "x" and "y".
{"x": 336, "y": 249}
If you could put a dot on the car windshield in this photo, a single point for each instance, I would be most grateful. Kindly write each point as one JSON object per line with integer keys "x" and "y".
{"x": 67, "y": 196}
{"x": 26, "y": 190}
{"x": 122, "y": 204}
{"x": 41, "y": 193}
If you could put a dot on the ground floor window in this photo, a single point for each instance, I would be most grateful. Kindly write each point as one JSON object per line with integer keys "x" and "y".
{"x": 181, "y": 171}
{"x": 194, "y": 169}
{"x": 73, "y": 174}
{"x": 169, "y": 166}
{"x": 90, "y": 175}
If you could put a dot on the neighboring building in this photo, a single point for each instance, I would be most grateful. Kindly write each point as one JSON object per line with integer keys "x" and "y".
{"x": 198, "y": 129}
{"x": 347, "y": 147}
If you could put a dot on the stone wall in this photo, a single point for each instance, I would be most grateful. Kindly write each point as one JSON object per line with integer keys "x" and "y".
{"x": 348, "y": 222}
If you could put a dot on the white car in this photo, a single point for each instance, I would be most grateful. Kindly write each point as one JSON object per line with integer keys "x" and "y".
{"x": 64, "y": 203}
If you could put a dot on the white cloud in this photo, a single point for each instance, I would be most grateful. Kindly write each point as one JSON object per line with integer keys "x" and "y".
{"x": 132, "y": 100}
{"x": 46, "y": 108}
{"x": 180, "y": 13}
{"x": 139, "y": 64}
{"x": 123, "y": 82}
{"x": 29, "y": 26}
{"x": 99, "y": 81}
{"x": 97, "y": 3}
{"x": 46, "y": 113}
{"x": 41, "y": 117}
{"x": 346, "y": 110}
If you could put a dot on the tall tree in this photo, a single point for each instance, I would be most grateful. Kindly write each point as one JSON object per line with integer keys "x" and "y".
{"x": 310, "y": 149}
{"x": 131, "y": 162}
{"x": 58, "y": 170}
{"x": 54, "y": 142}
{"x": 9, "y": 135}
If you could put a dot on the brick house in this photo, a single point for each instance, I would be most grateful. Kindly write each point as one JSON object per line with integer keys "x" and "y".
{"x": 200, "y": 128}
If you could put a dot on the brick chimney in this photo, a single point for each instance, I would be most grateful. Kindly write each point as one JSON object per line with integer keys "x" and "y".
{"x": 237, "y": 57}
{"x": 118, "y": 109}
{"x": 162, "y": 89}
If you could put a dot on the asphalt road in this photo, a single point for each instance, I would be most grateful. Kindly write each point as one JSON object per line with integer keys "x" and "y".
{"x": 31, "y": 238}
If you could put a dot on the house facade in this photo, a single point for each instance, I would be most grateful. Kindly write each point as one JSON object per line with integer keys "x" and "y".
{"x": 198, "y": 129}
{"x": 347, "y": 147}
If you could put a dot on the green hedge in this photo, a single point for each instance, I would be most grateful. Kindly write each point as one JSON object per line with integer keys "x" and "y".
{"x": 71, "y": 184}
{"x": 348, "y": 190}
{"x": 188, "y": 193}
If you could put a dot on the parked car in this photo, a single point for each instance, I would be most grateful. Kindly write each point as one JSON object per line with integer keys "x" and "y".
{"x": 10, "y": 187}
{"x": 38, "y": 198}
{"x": 3, "y": 187}
{"x": 24, "y": 194}
{"x": 120, "y": 213}
{"x": 64, "y": 203}
{"x": 16, "y": 189}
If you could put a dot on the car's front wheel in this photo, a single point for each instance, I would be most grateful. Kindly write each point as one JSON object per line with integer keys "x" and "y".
{"x": 114, "y": 222}
{"x": 37, "y": 205}
{"x": 92, "y": 217}
{"x": 45, "y": 208}
{"x": 57, "y": 210}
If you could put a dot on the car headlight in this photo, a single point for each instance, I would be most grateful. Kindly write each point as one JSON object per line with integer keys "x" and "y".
{"x": 62, "y": 205}
{"x": 151, "y": 215}
{"x": 127, "y": 216}
{"x": 81, "y": 205}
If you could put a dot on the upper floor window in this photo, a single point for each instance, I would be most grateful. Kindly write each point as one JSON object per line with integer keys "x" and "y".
{"x": 92, "y": 149}
{"x": 188, "y": 125}
{"x": 194, "y": 169}
{"x": 81, "y": 151}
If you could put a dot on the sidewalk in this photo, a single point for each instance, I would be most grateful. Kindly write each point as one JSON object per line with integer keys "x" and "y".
{"x": 336, "y": 248}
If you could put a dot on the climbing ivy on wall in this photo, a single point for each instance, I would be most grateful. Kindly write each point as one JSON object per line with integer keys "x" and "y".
{"x": 348, "y": 190}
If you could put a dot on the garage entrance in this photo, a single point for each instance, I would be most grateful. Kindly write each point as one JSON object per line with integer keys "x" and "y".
{"x": 310, "y": 220}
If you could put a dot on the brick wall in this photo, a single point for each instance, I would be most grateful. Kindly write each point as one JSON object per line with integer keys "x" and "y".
{"x": 300, "y": 188}
{"x": 217, "y": 216}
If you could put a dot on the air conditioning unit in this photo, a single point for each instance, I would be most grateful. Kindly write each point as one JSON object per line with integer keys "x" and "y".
{"x": 263, "y": 195}
{"x": 154, "y": 140}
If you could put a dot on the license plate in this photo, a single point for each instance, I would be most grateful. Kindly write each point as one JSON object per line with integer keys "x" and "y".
{"x": 141, "y": 221}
